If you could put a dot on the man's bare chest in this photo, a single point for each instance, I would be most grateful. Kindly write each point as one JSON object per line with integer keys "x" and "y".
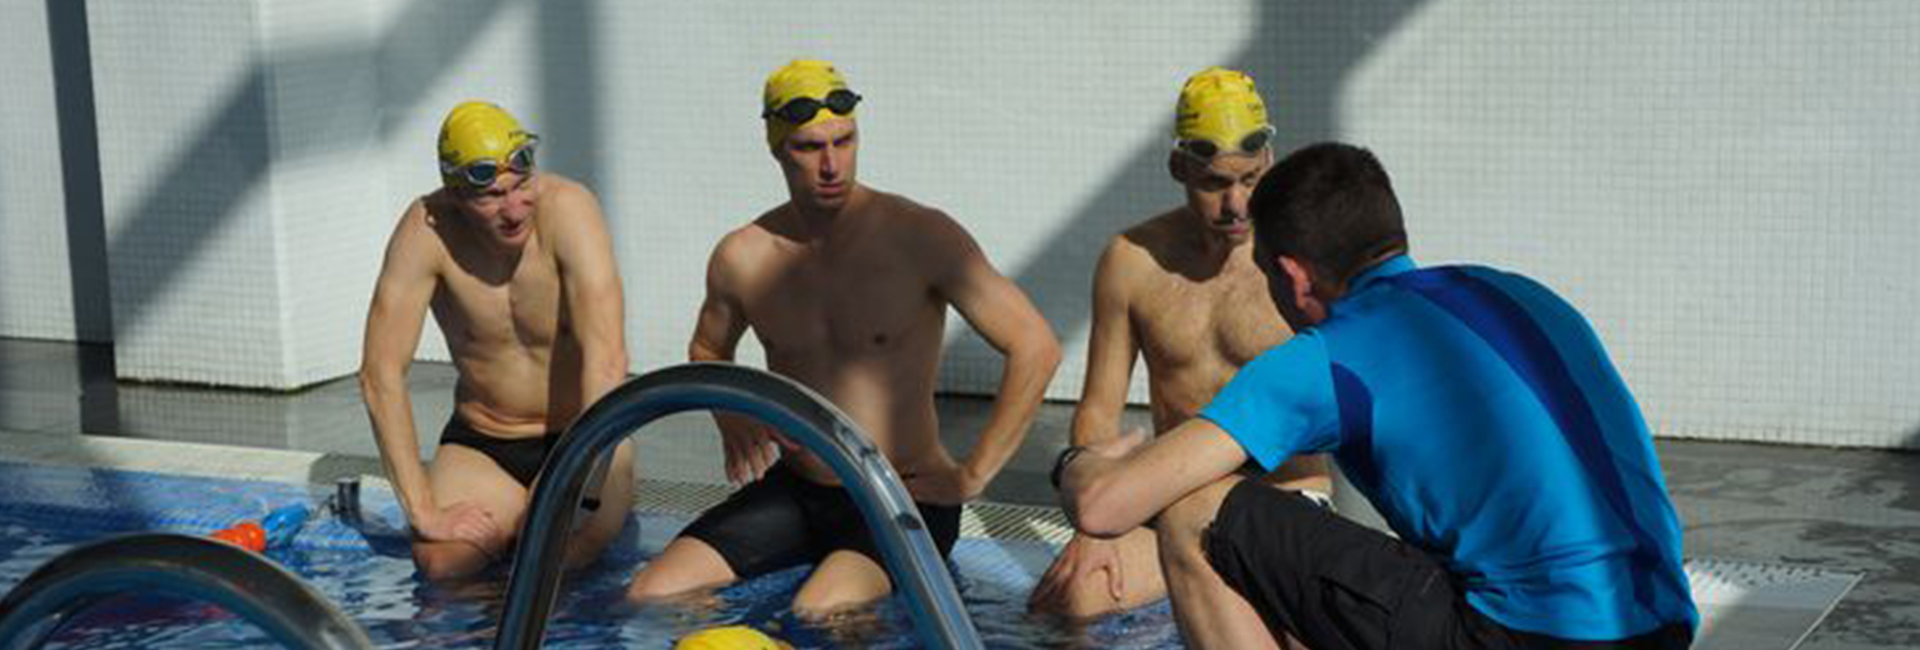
{"x": 843, "y": 307}
{"x": 1223, "y": 321}
{"x": 525, "y": 310}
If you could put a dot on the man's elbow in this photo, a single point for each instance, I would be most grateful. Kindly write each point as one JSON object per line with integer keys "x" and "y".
{"x": 611, "y": 365}
{"x": 377, "y": 379}
{"x": 1094, "y": 511}
{"x": 1042, "y": 352}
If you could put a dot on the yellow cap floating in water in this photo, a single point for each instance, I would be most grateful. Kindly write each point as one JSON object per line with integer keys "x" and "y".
{"x": 1220, "y": 106}
{"x": 801, "y": 78}
{"x": 477, "y": 130}
{"x": 732, "y": 637}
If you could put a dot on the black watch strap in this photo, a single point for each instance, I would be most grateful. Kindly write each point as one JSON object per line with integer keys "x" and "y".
{"x": 1060, "y": 463}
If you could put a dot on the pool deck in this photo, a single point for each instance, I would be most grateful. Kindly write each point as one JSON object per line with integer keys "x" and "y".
{"x": 1836, "y": 510}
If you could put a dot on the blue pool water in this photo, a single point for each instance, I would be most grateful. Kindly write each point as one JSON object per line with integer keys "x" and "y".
{"x": 369, "y": 575}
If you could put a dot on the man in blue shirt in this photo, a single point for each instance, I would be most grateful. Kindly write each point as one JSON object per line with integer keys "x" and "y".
{"x": 1474, "y": 408}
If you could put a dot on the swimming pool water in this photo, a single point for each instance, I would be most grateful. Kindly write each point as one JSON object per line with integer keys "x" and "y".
{"x": 369, "y": 575}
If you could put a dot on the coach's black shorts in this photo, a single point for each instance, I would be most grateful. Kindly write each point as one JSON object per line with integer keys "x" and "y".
{"x": 1337, "y": 585}
{"x": 783, "y": 520}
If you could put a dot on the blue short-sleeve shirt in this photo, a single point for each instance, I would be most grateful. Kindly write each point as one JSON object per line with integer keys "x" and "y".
{"x": 1480, "y": 415}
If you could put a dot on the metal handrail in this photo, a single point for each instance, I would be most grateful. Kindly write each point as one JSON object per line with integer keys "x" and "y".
{"x": 263, "y": 593}
{"x": 915, "y": 564}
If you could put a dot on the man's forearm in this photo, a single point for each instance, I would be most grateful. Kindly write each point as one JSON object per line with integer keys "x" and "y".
{"x": 391, "y": 414}
{"x": 603, "y": 368}
{"x": 1093, "y": 422}
{"x": 1023, "y": 385}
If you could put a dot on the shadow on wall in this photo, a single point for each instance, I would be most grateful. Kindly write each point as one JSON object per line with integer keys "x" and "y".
{"x": 221, "y": 163}
{"x": 1300, "y": 54}
{"x": 569, "y": 104}
{"x": 85, "y": 223}
{"x": 80, "y": 170}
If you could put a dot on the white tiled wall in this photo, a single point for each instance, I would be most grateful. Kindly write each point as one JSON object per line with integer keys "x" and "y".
{"x": 1724, "y": 186}
{"x": 329, "y": 194}
{"x": 185, "y": 159}
{"x": 1727, "y": 189}
{"x": 36, "y": 292}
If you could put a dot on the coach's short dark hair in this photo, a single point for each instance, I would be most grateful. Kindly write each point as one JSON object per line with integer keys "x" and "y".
{"x": 1331, "y": 206}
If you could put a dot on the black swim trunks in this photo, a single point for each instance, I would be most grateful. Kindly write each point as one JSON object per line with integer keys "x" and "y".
{"x": 520, "y": 457}
{"x": 783, "y": 520}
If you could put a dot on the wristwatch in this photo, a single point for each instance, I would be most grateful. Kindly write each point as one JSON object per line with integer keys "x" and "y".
{"x": 1060, "y": 463}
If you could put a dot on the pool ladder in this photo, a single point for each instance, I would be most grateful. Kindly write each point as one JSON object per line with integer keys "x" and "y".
{"x": 917, "y": 569}
{"x": 68, "y": 586}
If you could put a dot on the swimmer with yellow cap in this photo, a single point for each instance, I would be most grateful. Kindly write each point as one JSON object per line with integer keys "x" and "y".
{"x": 731, "y": 637}
{"x": 883, "y": 271}
{"x": 1204, "y": 247}
{"x": 1221, "y": 146}
{"x": 808, "y": 110}
{"x": 494, "y": 250}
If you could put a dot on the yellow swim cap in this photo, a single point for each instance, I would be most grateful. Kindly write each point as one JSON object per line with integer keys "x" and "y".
{"x": 732, "y": 637}
{"x": 1220, "y": 106}
{"x": 802, "y": 78}
{"x": 476, "y": 131}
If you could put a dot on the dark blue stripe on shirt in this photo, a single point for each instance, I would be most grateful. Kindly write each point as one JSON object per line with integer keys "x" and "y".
{"x": 1506, "y": 326}
{"x": 1355, "y": 452}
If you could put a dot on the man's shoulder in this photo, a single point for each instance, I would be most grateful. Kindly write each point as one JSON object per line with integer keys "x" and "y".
{"x": 424, "y": 221}
{"x": 1134, "y": 251}
{"x": 1155, "y": 234}
{"x": 910, "y": 225}
{"x": 901, "y": 211}
{"x": 564, "y": 200}
{"x": 751, "y": 241}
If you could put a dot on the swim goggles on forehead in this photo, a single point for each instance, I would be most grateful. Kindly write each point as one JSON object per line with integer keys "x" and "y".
{"x": 483, "y": 172}
{"x": 1205, "y": 149}
{"x": 800, "y": 110}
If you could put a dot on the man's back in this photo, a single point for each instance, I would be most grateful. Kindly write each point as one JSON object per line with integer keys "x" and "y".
{"x": 1482, "y": 417}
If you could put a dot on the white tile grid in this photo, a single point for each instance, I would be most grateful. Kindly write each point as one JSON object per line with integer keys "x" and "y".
{"x": 1558, "y": 140}
{"x": 1677, "y": 189}
{"x": 329, "y": 185}
{"x": 36, "y": 298}
{"x": 193, "y": 281}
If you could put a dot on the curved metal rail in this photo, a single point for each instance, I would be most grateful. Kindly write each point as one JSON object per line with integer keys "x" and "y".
{"x": 915, "y": 564}
{"x": 246, "y": 584}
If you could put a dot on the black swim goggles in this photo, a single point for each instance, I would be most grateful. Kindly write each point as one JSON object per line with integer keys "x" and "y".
{"x": 800, "y": 110}
{"x": 483, "y": 172}
{"x": 1206, "y": 149}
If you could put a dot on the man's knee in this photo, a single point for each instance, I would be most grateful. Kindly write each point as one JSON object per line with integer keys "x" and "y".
{"x": 818, "y": 607}
{"x": 844, "y": 580}
{"x": 438, "y": 561}
{"x": 1090, "y": 597}
{"x": 648, "y": 587}
{"x": 1180, "y": 527}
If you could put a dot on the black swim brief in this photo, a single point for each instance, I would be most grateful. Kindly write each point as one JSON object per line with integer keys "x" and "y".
{"x": 520, "y": 457}
{"x": 783, "y": 520}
